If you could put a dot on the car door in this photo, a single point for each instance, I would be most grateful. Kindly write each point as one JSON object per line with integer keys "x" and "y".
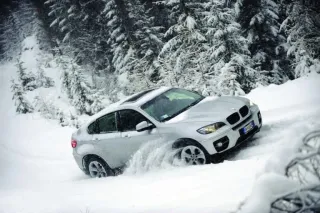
{"x": 107, "y": 139}
{"x": 132, "y": 139}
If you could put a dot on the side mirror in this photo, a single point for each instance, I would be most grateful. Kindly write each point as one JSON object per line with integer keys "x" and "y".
{"x": 144, "y": 125}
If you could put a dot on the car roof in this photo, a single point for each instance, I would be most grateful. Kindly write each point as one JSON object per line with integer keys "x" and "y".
{"x": 144, "y": 98}
{"x": 126, "y": 103}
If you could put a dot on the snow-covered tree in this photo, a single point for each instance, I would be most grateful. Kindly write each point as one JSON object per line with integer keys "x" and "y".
{"x": 302, "y": 27}
{"x": 229, "y": 52}
{"x": 46, "y": 107}
{"x": 20, "y": 23}
{"x": 261, "y": 24}
{"x": 42, "y": 80}
{"x": 66, "y": 85}
{"x": 147, "y": 43}
{"x": 304, "y": 168}
{"x": 119, "y": 36}
{"x": 8, "y": 38}
{"x": 81, "y": 92}
{"x": 22, "y": 104}
{"x": 28, "y": 79}
{"x": 179, "y": 58}
{"x": 58, "y": 16}
{"x": 97, "y": 102}
{"x": 147, "y": 36}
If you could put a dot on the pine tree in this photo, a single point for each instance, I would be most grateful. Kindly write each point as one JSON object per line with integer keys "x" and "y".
{"x": 9, "y": 39}
{"x": 20, "y": 23}
{"x": 303, "y": 35}
{"x": 229, "y": 52}
{"x": 147, "y": 36}
{"x": 81, "y": 92}
{"x": 58, "y": 17}
{"x": 21, "y": 103}
{"x": 147, "y": 43}
{"x": 28, "y": 80}
{"x": 66, "y": 83}
{"x": 179, "y": 58}
{"x": 42, "y": 80}
{"x": 260, "y": 21}
{"x": 97, "y": 102}
{"x": 119, "y": 36}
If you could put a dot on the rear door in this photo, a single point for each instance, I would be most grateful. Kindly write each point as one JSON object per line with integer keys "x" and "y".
{"x": 132, "y": 139}
{"x": 107, "y": 139}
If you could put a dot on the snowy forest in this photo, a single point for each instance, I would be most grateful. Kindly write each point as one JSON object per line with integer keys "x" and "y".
{"x": 108, "y": 49}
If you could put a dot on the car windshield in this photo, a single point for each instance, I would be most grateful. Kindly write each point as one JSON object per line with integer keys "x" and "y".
{"x": 171, "y": 103}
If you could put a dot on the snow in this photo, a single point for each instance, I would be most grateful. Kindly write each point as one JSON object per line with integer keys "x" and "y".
{"x": 38, "y": 172}
{"x": 266, "y": 190}
{"x": 298, "y": 92}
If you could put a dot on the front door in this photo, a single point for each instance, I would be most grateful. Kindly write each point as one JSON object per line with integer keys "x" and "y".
{"x": 132, "y": 139}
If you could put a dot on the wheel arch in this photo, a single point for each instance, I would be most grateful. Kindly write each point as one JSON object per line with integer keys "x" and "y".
{"x": 187, "y": 141}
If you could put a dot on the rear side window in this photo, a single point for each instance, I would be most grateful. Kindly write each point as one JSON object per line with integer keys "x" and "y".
{"x": 91, "y": 128}
{"x": 102, "y": 125}
{"x": 129, "y": 119}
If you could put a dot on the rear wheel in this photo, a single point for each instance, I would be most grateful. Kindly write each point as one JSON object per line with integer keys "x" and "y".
{"x": 97, "y": 168}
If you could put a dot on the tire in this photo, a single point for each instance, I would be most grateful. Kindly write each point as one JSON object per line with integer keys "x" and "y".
{"x": 215, "y": 159}
{"x": 97, "y": 168}
{"x": 191, "y": 152}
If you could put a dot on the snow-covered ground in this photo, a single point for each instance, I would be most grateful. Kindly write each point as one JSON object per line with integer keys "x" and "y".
{"x": 39, "y": 175}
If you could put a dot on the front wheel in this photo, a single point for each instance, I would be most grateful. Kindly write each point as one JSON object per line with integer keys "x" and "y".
{"x": 193, "y": 155}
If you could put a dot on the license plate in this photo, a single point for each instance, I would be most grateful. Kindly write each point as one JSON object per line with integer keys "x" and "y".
{"x": 248, "y": 127}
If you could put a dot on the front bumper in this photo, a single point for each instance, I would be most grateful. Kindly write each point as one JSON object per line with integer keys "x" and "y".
{"x": 230, "y": 136}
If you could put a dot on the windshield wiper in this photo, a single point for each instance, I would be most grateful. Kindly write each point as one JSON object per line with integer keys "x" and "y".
{"x": 182, "y": 110}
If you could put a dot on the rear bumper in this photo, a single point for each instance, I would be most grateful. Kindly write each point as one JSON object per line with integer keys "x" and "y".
{"x": 79, "y": 160}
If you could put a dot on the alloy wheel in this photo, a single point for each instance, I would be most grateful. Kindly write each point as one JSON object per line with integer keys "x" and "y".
{"x": 97, "y": 170}
{"x": 193, "y": 155}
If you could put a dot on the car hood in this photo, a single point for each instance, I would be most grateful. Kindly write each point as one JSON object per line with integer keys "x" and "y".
{"x": 211, "y": 109}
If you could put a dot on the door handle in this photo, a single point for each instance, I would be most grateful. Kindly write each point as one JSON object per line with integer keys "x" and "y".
{"x": 126, "y": 136}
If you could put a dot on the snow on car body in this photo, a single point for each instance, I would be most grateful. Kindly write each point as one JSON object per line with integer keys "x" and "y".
{"x": 201, "y": 127}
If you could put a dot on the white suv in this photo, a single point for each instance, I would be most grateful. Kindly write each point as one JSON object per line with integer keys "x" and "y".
{"x": 201, "y": 127}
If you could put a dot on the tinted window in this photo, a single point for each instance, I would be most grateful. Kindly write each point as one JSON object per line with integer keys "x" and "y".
{"x": 129, "y": 119}
{"x": 106, "y": 124}
{"x": 91, "y": 128}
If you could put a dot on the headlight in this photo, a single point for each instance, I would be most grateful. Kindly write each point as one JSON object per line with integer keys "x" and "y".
{"x": 251, "y": 103}
{"x": 211, "y": 128}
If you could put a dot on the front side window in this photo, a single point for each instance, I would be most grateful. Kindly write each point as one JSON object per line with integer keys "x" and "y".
{"x": 129, "y": 119}
{"x": 171, "y": 103}
{"x": 104, "y": 124}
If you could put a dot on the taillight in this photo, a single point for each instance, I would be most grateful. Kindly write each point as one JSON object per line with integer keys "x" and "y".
{"x": 73, "y": 143}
